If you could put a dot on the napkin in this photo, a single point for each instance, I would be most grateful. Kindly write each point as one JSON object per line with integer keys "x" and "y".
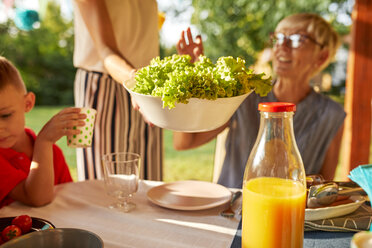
{"x": 362, "y": 175}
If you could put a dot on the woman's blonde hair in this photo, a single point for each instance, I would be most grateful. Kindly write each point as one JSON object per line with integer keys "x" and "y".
{"x": 9, "y": 75}
{"x": 318, "y": 28}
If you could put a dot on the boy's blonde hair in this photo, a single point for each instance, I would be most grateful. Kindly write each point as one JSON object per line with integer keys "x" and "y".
{"x": 318, "y": 28}
{"x": 9, "y": 75}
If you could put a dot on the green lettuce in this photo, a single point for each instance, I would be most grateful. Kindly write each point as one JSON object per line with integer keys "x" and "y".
{"x": 175, "y": 79}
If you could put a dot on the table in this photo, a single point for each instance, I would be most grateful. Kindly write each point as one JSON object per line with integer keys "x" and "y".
{"x": 317, "y": 239}
{"x": 84, "y": 205}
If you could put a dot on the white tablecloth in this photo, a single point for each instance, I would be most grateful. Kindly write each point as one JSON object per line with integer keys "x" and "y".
{"x": 84, "y": 205}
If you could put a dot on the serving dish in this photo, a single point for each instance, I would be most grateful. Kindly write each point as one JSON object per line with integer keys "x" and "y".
{"x": 335, "y": 210}
{"x": 37, "y": 223}
{"x": 56, "y": 238}
{"x": 198, "y": 115}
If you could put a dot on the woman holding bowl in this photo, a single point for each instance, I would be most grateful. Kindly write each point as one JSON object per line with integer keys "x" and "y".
{"x": 303, "y": 45}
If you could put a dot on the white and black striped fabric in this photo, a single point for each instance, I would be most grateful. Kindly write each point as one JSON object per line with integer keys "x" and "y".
{"x": 118, "y": 128}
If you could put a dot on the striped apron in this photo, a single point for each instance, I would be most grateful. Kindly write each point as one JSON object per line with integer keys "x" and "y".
{"x": 118, "y": 128}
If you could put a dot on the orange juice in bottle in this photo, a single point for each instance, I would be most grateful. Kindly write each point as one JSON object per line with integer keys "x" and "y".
{"x": 274, "y": 185}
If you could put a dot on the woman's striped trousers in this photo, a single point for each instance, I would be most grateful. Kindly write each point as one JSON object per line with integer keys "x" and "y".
{"x": 118, "y": 128}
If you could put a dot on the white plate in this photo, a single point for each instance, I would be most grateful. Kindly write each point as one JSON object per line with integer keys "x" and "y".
{"x": 334, "y": 211}
{"x": 189, "y": 195}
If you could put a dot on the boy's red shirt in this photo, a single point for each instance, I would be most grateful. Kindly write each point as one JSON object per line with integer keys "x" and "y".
{"x": 15, "y": 166}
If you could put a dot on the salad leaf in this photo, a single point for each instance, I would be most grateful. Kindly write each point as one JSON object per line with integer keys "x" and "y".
{"x": 175, "y": 79}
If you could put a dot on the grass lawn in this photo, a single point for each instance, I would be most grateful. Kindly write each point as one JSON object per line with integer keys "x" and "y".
{"x": 193, "y": 164}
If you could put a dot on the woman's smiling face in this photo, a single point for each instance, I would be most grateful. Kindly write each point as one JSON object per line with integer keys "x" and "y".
{"x": 297, "y": 62}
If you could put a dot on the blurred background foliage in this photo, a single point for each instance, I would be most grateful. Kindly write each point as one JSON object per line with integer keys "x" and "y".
{"x": 237, "y": 28}
{"x": 242, "y": 27}
{"x": 43, "y": 56}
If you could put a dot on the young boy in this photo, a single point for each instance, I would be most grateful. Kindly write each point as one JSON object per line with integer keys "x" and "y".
{"x": 30, "y": 165}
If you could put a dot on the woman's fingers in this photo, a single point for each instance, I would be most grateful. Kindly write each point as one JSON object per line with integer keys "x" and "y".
{"x": 189, "y": 37}
{"x": 181, "y": 44}
{"x": 198, "y": 40}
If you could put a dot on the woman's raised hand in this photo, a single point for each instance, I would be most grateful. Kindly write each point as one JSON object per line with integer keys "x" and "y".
{"x": 190, "y": 47}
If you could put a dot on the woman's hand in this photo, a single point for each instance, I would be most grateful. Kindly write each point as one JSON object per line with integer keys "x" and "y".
{"x": 137, "y": 108}
{"x": 192, "y": 48}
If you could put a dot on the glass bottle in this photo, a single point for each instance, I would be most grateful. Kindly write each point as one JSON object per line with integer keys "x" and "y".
{"x": 274, "y": 184}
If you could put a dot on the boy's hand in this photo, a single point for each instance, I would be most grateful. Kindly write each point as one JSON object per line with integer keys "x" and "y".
{"x": 62, "y": 124}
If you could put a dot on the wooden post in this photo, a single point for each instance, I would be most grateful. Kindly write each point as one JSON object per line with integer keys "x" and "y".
{"x": 358, "y": 98}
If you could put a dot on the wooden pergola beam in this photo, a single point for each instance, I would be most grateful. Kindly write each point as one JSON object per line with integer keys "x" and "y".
{"x": 358, "y": 98}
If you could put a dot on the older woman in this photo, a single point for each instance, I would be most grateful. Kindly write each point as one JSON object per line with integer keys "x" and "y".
{"x": 303, "y": 45}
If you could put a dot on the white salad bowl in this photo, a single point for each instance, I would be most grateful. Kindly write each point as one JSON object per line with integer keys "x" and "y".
{"x": 198, "y": 115}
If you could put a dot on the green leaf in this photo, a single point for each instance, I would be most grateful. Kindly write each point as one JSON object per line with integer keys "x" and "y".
{"x": 175, "y": 79}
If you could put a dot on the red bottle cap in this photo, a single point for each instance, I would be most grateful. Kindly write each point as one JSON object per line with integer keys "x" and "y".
{"x": 276, "y": 107}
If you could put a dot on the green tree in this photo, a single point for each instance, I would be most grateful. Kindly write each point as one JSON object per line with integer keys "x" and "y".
{"x": 242, "y": 27}
{"x": 43, "y": 56}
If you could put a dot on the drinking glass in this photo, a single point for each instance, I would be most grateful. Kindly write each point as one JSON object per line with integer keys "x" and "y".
{"x": 121, "y": 172}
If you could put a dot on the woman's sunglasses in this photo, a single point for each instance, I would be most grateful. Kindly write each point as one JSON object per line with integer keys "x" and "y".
{"x": 292, "y": 41}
